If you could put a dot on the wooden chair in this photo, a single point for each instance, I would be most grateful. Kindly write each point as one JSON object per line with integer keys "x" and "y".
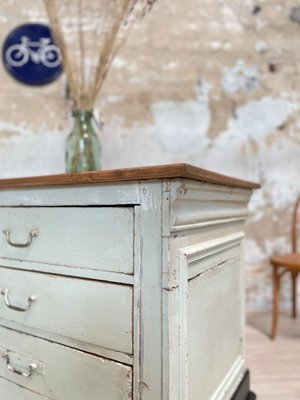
{"x": 283, "y": 264}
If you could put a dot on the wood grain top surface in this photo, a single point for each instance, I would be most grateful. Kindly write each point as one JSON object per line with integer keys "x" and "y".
{"x": 129, "y": 174}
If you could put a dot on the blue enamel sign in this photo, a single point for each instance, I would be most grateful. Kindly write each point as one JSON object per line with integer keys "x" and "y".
{"x": 30, "y": 55}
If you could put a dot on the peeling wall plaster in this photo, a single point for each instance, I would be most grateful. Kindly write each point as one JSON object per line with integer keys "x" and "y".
{"x": 242, "y": 119}
{"x": 28, "y": 153}
{"x": 241, "y": 77}
{"x": 180, "y": 126}
{"x": 260, "y": 118}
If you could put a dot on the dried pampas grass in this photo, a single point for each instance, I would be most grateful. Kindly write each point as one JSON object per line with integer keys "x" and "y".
{"x": 90, "y": 34}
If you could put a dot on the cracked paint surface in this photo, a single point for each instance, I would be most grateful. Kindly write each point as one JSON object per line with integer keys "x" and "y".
{"x": 210, "y": 83}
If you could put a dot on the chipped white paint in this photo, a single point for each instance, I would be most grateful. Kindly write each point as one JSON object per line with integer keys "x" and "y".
{"x": 260, "y": 118}
{"x": 261, "y": 47}
{"x": 241, "y": 77}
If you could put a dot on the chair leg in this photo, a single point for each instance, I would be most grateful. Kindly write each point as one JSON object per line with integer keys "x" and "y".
{"x": 294, "y": 283}
{"x": 276, "y": 287}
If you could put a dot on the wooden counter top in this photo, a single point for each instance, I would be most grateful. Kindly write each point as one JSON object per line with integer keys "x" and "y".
{"x": 129, "y": 174}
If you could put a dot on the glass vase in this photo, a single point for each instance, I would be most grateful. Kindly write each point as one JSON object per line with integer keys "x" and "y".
{"x": 83, "y": 149}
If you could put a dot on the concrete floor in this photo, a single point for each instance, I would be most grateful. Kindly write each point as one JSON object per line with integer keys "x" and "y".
{"x": 274, "y": 365}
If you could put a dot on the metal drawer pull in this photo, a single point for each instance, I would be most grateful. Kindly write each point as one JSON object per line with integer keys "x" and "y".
{"x": 32, "y": 234}
{"x": 31, "y": 368}
{"x": 5, "y": 293}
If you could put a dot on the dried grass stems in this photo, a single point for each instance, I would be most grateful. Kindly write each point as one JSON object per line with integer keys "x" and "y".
{"x": 89, "y": 35}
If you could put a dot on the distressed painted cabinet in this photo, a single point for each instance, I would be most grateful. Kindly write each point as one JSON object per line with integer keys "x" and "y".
{"x": 122, "y": 285}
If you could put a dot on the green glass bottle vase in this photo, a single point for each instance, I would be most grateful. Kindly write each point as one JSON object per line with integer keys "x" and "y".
{"x": 83, "y": 149}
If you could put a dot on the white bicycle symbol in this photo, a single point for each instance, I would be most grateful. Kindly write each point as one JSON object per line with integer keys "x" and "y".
{"x": 41, "y": 52}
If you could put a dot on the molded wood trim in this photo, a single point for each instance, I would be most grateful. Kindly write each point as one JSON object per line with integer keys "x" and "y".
{"x": 207, "y": 250}
{"x": 195, "y": 206}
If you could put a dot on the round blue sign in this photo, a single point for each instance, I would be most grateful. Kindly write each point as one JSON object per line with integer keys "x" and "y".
{"x": 30, "y": 55}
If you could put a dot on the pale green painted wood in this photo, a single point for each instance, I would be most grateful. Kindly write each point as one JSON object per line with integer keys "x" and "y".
{"x": 172, "y": 232}
{"x": 68, "y": 373}
{"x": 11, "y": 391}
{"x": 106, "y": 276}
{"x": 96, "y": 313}
{"x": 198, "y": 242}
{"x": 214, "y": 326}
{"x": 150, "y": 317}
{"x": 80, "y": 195}
{"x": 85, "y": 238}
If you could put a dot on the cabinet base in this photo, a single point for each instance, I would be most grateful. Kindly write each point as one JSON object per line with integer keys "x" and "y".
{"x": 243, "y": 391}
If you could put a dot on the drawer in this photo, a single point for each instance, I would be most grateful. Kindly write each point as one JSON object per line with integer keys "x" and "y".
{"x": 61, "y": 373}
{"x": 10, "y": 391}
{"x": 95, "y": 238}
{"x": 94, "y": 313}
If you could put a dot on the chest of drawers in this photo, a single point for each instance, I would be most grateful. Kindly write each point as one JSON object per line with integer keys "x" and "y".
{"x": 122, "y": 285}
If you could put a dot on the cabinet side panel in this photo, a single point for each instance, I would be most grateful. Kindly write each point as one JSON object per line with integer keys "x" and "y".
{"x": 214, "y": 327}
{"x": 204, "y": 292}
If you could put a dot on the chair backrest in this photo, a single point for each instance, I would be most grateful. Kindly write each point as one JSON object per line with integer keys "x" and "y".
{"x": 294, "y": 226}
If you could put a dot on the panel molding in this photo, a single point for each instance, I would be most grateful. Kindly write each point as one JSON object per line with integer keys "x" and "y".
{"x": 209, "y": 249}
{"x": 229, "y": 384}
{"x": 178, "y": 299}
{"x": 207, "y": 224}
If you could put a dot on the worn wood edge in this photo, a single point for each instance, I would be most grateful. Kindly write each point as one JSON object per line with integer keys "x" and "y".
{"x": 213, "y": 177}
{"x": 128, "y": 174}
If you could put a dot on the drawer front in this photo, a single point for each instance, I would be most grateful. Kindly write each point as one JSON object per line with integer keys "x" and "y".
{"x": 10, "y": 391}
{"x": 93, "y": 312}
{"x": 97, "y": 238}
{"x": 57, "y": 372}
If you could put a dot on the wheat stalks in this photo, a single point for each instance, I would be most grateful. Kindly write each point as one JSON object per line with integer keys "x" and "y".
{"x": 133, "y": 11}
{"x": 59, "y": 39}
{"x": 82, "y": 56}
{"x": 117, "y": 17}
{"x": 105, "y": 57}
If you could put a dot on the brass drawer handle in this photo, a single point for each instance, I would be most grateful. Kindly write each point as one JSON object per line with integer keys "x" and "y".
{"x": 32, "y": 234}
{"x": 5, "y": 293}
{"x": 31, "y": 368}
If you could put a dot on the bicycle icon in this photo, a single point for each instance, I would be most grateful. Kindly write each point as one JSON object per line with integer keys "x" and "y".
{"x": 42, "y": 52}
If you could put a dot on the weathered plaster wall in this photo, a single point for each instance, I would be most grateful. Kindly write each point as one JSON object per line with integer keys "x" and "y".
{"x": 210, "y": 82}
